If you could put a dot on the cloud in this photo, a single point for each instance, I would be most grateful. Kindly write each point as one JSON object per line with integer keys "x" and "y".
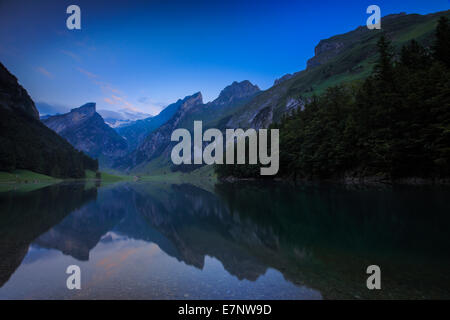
{"x": 86, "y": 45}
{"x": 124, "y": 103}
{"x": 121, "y": 102}
{"x": 115, "y": 97}
{"x": 108, "y": 100}
{"x": 45, "y": 72}
{"x": 72, "y": 55}
{"x": 106, "y": 87}
{"x": 150, "y": 102}
{"x": 45, "y": 108}
{"x": 87, "y": 73}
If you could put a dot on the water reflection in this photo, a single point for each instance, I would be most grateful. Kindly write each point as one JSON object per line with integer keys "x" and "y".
{"x": 25, "y": 216}
{"x": 149, "y": 240}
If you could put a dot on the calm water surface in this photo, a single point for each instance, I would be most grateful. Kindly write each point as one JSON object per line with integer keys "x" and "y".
{"x": 228, "y": 241}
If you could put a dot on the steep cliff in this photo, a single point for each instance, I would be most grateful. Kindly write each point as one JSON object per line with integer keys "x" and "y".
{"x": 157, "y": 142}
{"x": 25, "y": 143}
{"x": 13, "y": 97}
{"x": 157, "y": 145}
{"x": 86, "y": 130}
{"x": 137, "y": 131}
{"x": 341, "y": 59}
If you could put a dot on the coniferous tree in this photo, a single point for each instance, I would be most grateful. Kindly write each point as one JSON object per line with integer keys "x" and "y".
{"x": 442, "y": 44}
{"x": 395, "y": 124}
{"x": 384, "y": 66}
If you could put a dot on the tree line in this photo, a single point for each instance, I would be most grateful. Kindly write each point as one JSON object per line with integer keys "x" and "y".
{"x": 392, "y": 125}
{"x": 26, "y": 143}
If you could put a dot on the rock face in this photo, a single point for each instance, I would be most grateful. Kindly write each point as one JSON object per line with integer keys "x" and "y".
{"x": 136, "y": 131}
{"x": 235, "y": 92}
{"x": 330, "y": 48}
{"x": 190, "y": 109}
{"x": 324, "y": 52}
{"x": 75, "y": 117}
{"x": 283, "y": 79}
{"x": 158, "y": 141}
{"x": 86, "y": 130}
{"x": 13, "y": 97}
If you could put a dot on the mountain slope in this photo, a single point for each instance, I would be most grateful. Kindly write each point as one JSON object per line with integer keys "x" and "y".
{"x": 121, "y": 117}
{"x": 136, "y": 131}
{"x": 343, "y": 58}
{"x": 25, "y": 143}
{"x": 86, "y": 130}
{"x": 157, "y": 142}
{"x": 156, "y": 148}
{"x": 13, "y": 97}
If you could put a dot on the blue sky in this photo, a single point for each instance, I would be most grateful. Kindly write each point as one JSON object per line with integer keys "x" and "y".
{"x": 143, "y": 55}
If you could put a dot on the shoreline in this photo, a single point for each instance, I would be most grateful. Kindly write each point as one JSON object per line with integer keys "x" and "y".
{"x": 369, "y": 180}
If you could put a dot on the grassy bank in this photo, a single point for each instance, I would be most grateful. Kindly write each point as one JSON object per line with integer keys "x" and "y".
{"x": 106, "y": 177}
{"x": 26, "y": 180}
{"x": 25, "y": 176}
{"x": 205, "y": 172}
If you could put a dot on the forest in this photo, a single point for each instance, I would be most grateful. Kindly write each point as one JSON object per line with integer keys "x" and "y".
{"x": 27, "y": 143}
{"x": 395, "y": 124}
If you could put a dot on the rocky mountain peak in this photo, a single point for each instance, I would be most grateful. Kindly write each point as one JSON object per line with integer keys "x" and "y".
{"x": 73, "y": 118}
{"x": 191, "y": 101}
{"x": 236, "y": 90}
{"x": 86, "y": 109}
{"x": 283, "y": 79}
{"x": 86, "y": 130}
{"x": 325, "y": 51}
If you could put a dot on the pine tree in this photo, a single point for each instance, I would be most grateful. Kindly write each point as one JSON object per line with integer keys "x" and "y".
{"x": 414, "y": 56}
{"x": 384, "y": 67}
{"x": 441, "y": 48}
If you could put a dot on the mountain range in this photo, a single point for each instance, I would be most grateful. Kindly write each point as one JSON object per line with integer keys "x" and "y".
{"x": 143, "y": 145}
{"x": 156, "y": 147}
{"x": 136, "y": 131}
{"x": 122, "y": 117}
{"x": 342, "y": 59}
{"x": 26, "y": 143}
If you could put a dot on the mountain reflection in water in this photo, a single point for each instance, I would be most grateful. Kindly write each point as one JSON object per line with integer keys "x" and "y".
{"x": 231, "y": 241}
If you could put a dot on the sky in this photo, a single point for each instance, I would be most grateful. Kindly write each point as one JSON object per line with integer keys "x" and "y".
{"x": 143, "y": 55}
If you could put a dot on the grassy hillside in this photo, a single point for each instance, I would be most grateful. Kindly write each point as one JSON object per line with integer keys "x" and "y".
{"x": 351, "y": 60}
{"x": 345, "y": 58}
{"x": 30, "y": 177}
{"x": 25, "y": 176}
{"x": 395, "y": 126}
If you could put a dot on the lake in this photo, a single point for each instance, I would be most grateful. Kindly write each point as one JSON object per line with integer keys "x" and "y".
{"x": 253, "y": 240}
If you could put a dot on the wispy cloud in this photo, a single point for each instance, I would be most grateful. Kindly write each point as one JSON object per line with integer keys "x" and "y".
{"x": 86, "y": 45}
{"x": 147, "y": 101}
{"x": 72, "y": 55}
{"x": 109, "y": 101}
{"x": 87, "y": 73}
{"x": 120, "y": 102}
{"x": 106, "y": 87}
{"x": 114, "y": 96}
{"x": 45, "y": 72}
